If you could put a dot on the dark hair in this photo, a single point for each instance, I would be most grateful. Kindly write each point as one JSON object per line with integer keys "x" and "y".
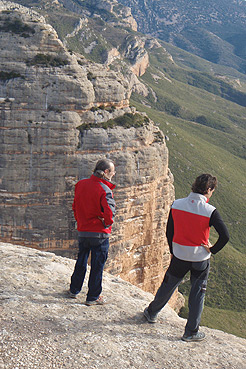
{"x": 101, "y": 166}
{"x": 203, "y": 183}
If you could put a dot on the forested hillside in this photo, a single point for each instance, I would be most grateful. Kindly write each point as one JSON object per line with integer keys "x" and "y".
{"x": 214, "y": 30}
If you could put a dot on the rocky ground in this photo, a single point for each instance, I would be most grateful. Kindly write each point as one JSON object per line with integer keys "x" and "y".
{"x": 42, "y": 328}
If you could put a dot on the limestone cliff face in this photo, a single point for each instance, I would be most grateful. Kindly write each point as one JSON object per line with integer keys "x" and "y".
{"x": 45, "y": 95}
{"x": 134, "y": 50}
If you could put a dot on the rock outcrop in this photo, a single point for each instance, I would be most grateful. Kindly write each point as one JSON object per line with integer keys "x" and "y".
{"x": 45, "y": 95}
{"x": 42, "y": 328}
{"x": 134, "y": 50}
{"x": 121, "y": 15}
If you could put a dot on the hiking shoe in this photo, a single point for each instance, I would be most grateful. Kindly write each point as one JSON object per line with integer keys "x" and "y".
{"x": 99, "y": 301}
{"x": 72, "y": 295}
{"x": 198, "y": 336}
{"x": 150, "y": 318}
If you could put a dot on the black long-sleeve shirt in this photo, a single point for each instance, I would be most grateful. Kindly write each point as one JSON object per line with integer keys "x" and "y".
{"x": 215, "y": 221}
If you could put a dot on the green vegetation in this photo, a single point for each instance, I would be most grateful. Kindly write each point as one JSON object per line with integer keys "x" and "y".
{"x": 127, "y": 120}
{"x": 90, "y": 76}
{"x": 99, "y": 52}
{"x": 215, "y": 31}
{"x": 229, "y": 321}
{"x": 63, "y": 22}
{"x": 5, "y": 76}
{"x": 16, "y": 26}
{"x": 186, "y": 60}
{"x": 110, "y": 109}
{"x": 97, "y": 36}
{"x": 46, "y": 60}
{"x": 204, "y": 81}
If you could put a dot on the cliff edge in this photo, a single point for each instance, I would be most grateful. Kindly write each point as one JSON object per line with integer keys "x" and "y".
{"x": 42, "y": 328}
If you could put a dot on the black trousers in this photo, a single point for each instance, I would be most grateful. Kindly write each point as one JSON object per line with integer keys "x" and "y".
{"x": 198, "y": 276}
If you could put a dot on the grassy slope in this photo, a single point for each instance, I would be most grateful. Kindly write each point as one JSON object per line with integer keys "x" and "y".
{"x": 185, "y": 59}
{"x": 219, "y": 149}
{"x": 229, "y": 321}
{"x": 194, "y": 148}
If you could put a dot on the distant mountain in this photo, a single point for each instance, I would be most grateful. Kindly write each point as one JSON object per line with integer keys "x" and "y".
{"x": 213, "y": 29}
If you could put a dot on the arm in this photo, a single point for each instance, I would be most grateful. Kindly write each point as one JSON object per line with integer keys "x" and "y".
{"x": 108, "y": 206}
{"x": 74, "y": 207}
{"x": 170, "y": 231}
{"x": 217, "y": 222}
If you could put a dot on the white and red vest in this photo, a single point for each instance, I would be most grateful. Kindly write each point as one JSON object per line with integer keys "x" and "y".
{"x": 191, "y": 217}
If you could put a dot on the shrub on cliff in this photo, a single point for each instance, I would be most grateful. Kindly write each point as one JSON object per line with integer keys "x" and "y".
{"x": 127, "y": 120}
{"x": 5, "y": 76}
{"x": 46, "y": 60}
{"x": 17, "y": 26}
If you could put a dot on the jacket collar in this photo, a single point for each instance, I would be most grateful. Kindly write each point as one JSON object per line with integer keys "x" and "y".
{"x": 107, "y": 183}
{"x": 197, "y": 196}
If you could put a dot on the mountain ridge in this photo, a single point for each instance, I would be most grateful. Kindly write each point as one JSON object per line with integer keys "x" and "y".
{"x": 215, "y": 31}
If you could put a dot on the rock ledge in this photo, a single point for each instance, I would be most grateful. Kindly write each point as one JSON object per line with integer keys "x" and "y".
{"x": 42, "y": 328}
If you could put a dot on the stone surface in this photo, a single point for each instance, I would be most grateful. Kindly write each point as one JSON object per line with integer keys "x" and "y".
{"x": 42, "y": 328}
{"x": 134, "y": 50}
{"x": 123, "y": 13}
{"x": 43, "y": 154}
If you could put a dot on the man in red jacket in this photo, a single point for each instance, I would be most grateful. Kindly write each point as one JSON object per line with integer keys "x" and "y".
{"x": 187, "y": 233}
{"x": 94, "y": 211}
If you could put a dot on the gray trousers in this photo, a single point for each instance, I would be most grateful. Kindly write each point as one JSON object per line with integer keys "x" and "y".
{"x": 198, "y": 276}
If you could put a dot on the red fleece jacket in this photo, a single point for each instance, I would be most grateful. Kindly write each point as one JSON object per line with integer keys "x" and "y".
{"x": 93, "y": 200}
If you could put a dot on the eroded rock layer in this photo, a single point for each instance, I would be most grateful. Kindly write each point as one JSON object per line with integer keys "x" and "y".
{"x": 45, "y": 95}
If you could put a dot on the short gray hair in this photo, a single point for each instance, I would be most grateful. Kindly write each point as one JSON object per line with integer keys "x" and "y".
{"x": 101, "y": 166}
